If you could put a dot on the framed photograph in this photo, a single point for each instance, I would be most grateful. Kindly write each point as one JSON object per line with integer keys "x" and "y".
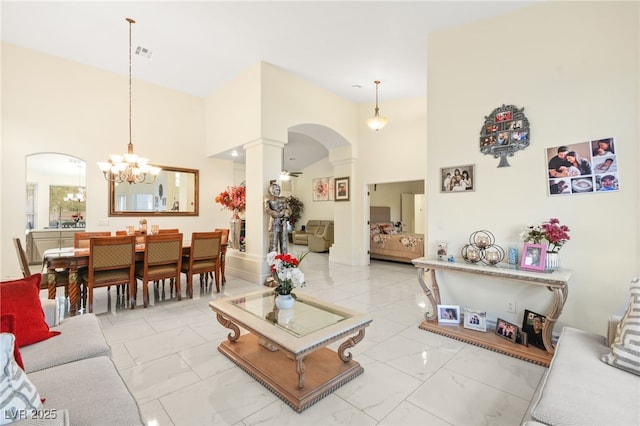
{"x": 442, "y": 249}
{"x": 533, "y": 257}
{"x": 507, "y": 330}
{"x": 332, "y": 189}
{"x": 342, "y": 189}
{"x": 475, "y": 320}
{"x": 449, "y": 314}
{"x": 523, "y": 338}
{"x": 320, "y": 189}
{"x": 458, "y": 178}
{"x": 532, "y": 324}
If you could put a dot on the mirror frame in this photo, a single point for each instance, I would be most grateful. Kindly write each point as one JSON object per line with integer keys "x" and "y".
{"x": 196, "y": 212}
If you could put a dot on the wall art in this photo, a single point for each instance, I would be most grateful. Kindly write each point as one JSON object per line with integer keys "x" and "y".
{"x": 505, "y": 131}
{"x": 458, "y": 178}
{"x": 583, "y": 168}
{"x": 320, "y": 189}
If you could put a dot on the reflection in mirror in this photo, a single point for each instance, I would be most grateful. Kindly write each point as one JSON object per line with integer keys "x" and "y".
{"x": 55, "y": 191}
{"x": 174, "y": 193}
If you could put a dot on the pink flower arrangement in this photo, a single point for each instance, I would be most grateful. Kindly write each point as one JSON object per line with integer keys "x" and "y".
{"x": 234, "y": 198}
{"x": 551, "y": 231}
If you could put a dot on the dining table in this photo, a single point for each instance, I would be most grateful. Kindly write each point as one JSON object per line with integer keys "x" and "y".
{"x": 71, "y": 259}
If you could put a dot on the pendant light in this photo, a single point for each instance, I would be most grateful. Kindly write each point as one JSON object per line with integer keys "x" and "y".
{"x": 377, "y": 122}
{"x": 129, "y": 167}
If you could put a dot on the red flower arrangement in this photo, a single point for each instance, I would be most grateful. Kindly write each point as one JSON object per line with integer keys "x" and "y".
{"x": 234, "y": 198}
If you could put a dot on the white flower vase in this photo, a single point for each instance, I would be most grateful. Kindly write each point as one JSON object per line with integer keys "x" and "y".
{"x": 284, "y": 301}
{"x": 552, "y": 261}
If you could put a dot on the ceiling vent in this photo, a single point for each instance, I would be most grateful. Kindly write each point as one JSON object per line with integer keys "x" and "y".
{"x": 144, "y": 52}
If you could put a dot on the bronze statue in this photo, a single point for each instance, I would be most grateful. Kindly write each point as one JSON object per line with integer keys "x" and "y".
{"x": 279, "y": 211}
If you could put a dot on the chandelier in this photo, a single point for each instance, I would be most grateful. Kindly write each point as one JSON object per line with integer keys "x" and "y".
{"x": 377, "y": 122}
{"x": 129, "y": 167}
{"x": 78, "y": 197}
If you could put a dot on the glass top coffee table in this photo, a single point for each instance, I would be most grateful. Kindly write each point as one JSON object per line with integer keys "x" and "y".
{"x": 286, "y": 349}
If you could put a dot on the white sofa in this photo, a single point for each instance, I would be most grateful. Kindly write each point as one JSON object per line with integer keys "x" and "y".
{"x": 74, "y": 374}
{"x": 580, "y": 389}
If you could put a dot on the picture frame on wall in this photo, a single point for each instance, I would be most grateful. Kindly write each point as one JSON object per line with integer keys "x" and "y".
{"x": 449, "y": 314}
{"x": 342, "y": 189}
{"x": 320, "y": 189}
{"x": 458, "y": 178}
{"x": 474, "y": 319}
{"x": 533, "y": 257}
{"x": 332, "y": 189}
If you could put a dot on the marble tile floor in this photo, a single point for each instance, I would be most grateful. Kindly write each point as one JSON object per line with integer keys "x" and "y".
{"x": 167, "y": 355}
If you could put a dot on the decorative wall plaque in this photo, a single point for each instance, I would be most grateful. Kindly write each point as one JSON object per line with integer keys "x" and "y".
{"x": 505, "y": 131}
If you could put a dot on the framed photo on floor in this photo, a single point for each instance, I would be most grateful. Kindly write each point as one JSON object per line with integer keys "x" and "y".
{"x": 449, "y": 314}
{"x": 532, "y": 324}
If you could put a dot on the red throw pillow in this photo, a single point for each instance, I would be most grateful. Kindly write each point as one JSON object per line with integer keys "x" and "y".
{"x": 22, "y": 299}
{"x": 7, "y": 325}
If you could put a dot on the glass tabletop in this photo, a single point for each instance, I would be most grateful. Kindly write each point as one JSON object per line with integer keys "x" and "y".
{"x": 304, "y": 318}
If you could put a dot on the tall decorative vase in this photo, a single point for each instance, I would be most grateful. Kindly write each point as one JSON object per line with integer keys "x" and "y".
{"x": 235, "y": 226}
{"x": 552, "y": 261}
{"x": 284, "y": 301}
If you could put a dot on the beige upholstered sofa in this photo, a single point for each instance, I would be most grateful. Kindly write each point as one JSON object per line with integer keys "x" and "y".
{"x": 581, "y": 387}
{"x": 322, "y": 239}
{"x": 400, "y": 247}
{"x": 311, "y": 228}
{"x": 74, "y": 374}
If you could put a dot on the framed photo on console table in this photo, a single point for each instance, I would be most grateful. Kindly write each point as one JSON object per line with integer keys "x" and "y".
{"x": 533, "y": 257}
{"x": 507, "y": 330}
{"x": 449, "y": 314}
{"x": 475, "y": 320}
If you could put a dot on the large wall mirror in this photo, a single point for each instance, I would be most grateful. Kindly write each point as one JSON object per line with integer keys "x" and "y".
{"x": 174, "y": 193}
{"x": 55, "y": 185}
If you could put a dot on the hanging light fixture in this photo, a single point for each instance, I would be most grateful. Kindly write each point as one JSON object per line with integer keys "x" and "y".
{"x": 78, "y": 197}
{"x": 377, "y": 122}
{"x": 129, "y": 167}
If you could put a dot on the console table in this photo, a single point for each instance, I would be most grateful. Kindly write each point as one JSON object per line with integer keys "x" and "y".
{"x": 555, "y": 281}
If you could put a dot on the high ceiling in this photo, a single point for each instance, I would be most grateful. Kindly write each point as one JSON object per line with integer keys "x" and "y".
{"x": 200, "y": 46}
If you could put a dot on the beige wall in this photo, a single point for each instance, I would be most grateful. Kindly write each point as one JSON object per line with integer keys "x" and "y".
{"x": 53, "y": 105}
{"x": 578, "y": 81}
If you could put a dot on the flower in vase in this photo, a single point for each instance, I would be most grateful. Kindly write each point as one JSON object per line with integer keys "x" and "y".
{"x": 284, "y": 269}
{"x": 554, "y": 233}
{"x": 233, "y": 198}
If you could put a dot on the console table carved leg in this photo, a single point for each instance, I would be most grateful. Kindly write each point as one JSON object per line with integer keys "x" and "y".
{"x": 559, "y": 298}
{"x": 433, "y": 293}
{"x": 349, "y": 343}
{"x": 226, "y": 323}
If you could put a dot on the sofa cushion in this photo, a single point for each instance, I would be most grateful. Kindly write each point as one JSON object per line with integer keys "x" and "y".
{"x": 625, "y": 351}
{"x": 17, "y": 392}
{"x": 7, "y": 325}
{"x": 81, "y": 338}
{"x": 96, "y": 394}
{"x": 22, "y": 299}
{"x": 579, "y": 389}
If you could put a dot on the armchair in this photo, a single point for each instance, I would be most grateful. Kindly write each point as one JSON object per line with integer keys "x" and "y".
{"x": 322, "y": 239}
{"x": 302, "y": 237}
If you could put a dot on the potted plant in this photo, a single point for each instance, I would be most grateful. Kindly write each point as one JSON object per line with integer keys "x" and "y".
{"x": 297, "y": 207}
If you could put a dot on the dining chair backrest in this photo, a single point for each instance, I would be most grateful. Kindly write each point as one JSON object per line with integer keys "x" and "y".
{"x": 22, "y": 257}
{"x": 163, "y": 249}
{"x": 168, "y": 231}
{"x": 81, "y": 239}
{"x": 108, "y": 253}
{"x": 205, "y": 245}
{"x": 137, "y": 233}
{"x": 225, "y": 235}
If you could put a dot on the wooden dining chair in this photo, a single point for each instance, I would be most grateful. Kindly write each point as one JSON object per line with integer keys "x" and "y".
{"x": 112, "y": 261}
{"x": 162, "y": 260}
{"x": 223, "y": 251}
{"x": 81, "y": 239}
{"x": 61, "y": 278}
{"x": 168, "y": 231}
{"x": 137, "y": 233}
{"x": 204, "y": 257}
